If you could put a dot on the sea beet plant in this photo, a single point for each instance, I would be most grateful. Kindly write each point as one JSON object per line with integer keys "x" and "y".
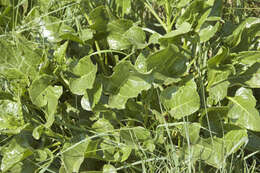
{"x": 129, "y": 86}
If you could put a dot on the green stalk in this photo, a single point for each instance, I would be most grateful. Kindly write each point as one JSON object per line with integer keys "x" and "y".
{"x": 156, "y": 16}
{"x": 100, "y": 60}
{"x": 168, "y": 16}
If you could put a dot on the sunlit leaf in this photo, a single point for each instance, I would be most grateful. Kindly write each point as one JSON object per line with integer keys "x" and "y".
{"x": 242, "y": 110}
{"x": 16, "y": 151}
{"x": 73, "y": 155}
{"x": 85, "y": 71}
{"x": 116, "y": 39}
{"x": 181, "y": 101}
{"x": 11, "y": 118}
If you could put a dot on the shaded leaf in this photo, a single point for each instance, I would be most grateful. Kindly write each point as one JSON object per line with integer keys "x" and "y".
{"x": 249, "y": 78}
{"x": 168, "y": 62}
{"x": 99, "y": 19}
{"x": 131, "y": 136}
{"x": 236, "y": 37}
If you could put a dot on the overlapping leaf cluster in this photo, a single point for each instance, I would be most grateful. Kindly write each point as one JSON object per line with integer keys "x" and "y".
{"x": 121, "y": 85}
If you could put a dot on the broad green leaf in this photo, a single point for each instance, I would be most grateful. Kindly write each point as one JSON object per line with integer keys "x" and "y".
{"x": 125, "y": 5}
{"x": 73, "y": 155}
{"x": 87, "y": 34}
{"x": 108, "y": 150}
{"x": 190, "y": 131}
{"x": 44, "y": 95}
{"x": 38, "y": 89}
{"x": 52, "y": 96}
{"x": 253, "y": 143}
{"x": 99, "y": 19}
{"x": 154, "y": 38}
{"x": 253, "y": 73}
{"x": 248, "y": 57}
{"x": 44, "y": 155}
{"x": 184, "y": 28}
{"x": 102, "y": 126}
{"x": 242, "y": 110}
{"x": 20, "y": 60}
{"x": 24, "y": 166}
{"x": 218, "y": 84}
{"x": 85, "y": 71}
{"x": 249, "y": 78}
{"x": 131, "y": 88}
{"x": 60, "y": 53}
{"x": 207, "y": 32}
{"x": 51, "y": 28}
{"x": 193, "y": 12}
{"x": 116, "y": 38}
{"x": 140, "y": 63}
{"x": 217, "y": 9}
{"x": 183, "y": 3}
{"x": 202, "y": 20}
{"x": 215, "y": 151}
{"x": 181, "y": 101}
{"x": 109, "y": 169}
{"x": 131, "y": 136}
{"x": 168, "y": 62}
{"x": 136, "y": 36}
{"x": 92, "y": 148}
{"x": 234, "y": 139}
{"x": 126, "y": 82}
{"x": 11, "y": 118}
{"x": 92, "y": 96}
{"x": 214, "y": 119}
{"x": 220, "y": 58}
{"x": 118, "y": 78}
{"x": 16, "y": 151}
{"x": 71, "y": 37}
{"x": 124, "y": 152}
{"x": 250, "y": 25}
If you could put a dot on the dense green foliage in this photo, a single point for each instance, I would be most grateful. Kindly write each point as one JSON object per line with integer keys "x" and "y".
{"x": 129, "y": 86}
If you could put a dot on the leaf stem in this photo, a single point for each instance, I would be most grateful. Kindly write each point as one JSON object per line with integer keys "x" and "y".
{"x": 156, "y": 16}
{"x": 100, "y": 60}
{"x": 168, "y": 15}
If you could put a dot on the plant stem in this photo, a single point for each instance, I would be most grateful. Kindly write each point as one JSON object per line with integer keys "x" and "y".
{"x": 100, "y": 60}
{"x": 168, "y": 16}
{"x": 156, "y": 16}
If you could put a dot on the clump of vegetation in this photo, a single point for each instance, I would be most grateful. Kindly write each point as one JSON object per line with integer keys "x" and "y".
{"x": 129, "y": 86}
